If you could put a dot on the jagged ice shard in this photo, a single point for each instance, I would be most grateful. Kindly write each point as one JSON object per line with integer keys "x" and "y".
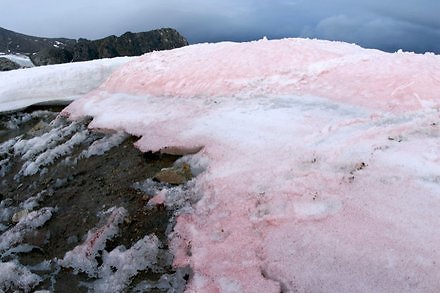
{"x": 322, "y": 161}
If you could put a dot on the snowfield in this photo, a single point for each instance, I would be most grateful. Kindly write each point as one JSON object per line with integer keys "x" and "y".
{"x": 54, "y": 83}
{"x": 320, "y": 161}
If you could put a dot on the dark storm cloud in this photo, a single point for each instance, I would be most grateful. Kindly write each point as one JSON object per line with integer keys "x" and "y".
{"x": 386, "y": 24}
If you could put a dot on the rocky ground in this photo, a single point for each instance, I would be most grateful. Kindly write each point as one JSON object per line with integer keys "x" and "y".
{"x": 72, "y": 198}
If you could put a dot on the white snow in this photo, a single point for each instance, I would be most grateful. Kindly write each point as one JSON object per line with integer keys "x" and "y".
{"x": 54, "y": 83}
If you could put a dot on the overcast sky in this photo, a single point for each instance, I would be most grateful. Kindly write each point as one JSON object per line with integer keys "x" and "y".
{"x": 413, "y": 25}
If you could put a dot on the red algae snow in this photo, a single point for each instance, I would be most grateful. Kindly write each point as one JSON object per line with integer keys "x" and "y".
{"x": 322, "y": 161}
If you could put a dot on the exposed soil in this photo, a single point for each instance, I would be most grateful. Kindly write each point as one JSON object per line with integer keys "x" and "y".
{"x": 80, "y": 192}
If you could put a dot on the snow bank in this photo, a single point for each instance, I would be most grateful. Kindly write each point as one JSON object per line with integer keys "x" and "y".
{"x": 322, "y": 161}
{"x": 55, "y": 83}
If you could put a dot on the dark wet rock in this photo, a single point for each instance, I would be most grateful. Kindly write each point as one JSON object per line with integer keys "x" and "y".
{"x": 52, "y": 55}
{"x": 6, "y": 64}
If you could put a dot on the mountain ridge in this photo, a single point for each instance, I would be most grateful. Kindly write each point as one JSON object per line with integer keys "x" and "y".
{"x": 14, "y": 42}
{"x": 46, "y": 51}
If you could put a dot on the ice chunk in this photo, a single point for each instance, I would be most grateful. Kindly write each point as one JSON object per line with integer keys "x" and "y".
{"x": 121, "y": 264}
{"x": 83, "y": 257}
{"x": 171, "y": 283}
{"x": 104, "y": 144}
{"x": 26, "y": 224}
{"x": 50, "y": 155}
{"x": 15, "y": 121}
{"x": 6, "y": 149}
{"x": 31, "y": 147}
{"x": 179, "y": 198}
{"x": 14, "y": 276}
{"x": 6, "y": 210}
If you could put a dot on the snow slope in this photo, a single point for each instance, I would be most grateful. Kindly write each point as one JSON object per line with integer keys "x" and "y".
{"x": 321, "y": 161}
{"x": 53, "y": 83}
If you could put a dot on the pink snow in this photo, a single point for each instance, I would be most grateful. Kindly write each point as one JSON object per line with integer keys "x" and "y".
{"x": 323, "y": 159}
{"x": 297, "y": 66}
